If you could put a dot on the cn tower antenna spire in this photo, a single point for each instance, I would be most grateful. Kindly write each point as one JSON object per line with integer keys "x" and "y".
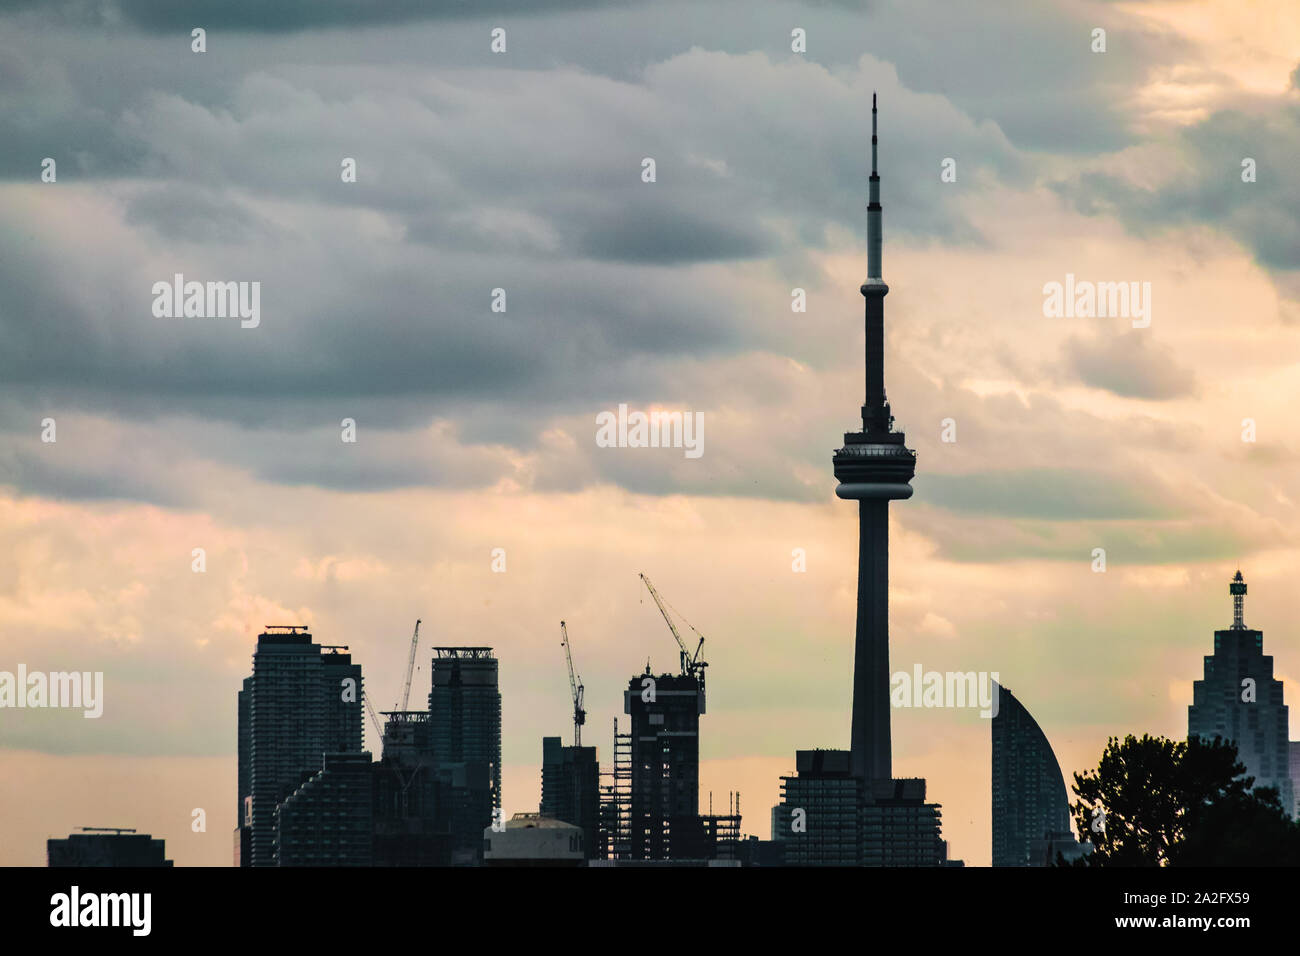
{"x": 873, "y": 133}
{"x": 873, "y": 207}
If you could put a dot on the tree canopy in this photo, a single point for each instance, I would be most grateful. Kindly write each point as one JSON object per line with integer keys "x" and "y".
{"x": 1160, "y": 802}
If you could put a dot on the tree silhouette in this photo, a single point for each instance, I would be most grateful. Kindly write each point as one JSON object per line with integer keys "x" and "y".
{"x": 1160, "y": 802}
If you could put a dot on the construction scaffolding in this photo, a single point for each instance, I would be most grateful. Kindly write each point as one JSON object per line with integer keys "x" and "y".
{"x": 616, "y": 801}
{"x": 722, "y": 831}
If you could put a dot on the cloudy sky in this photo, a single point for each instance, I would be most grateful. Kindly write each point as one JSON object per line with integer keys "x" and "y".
{"x": 475, "y": 429}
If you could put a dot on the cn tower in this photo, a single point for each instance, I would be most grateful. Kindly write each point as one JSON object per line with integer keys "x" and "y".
{"x": 874, "y": 467}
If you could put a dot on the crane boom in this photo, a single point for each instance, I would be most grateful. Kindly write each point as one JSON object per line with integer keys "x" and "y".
{"x": 410, "y": 667}
{"x": 374, "y": 718}
{"x": 691, "y": 664}
{"x": 575, "y": 688}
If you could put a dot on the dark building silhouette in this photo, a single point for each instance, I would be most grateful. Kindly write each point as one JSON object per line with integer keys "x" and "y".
{"x": 830, "y": 817}
{"x": 664, "y": 820}
{"x": 244, "y": 810}
{"x": 426, "y": 812}
{"x": 817, "y": 820}
{"x": 309, "y": 795}
{"x": 752, "y": 851}
{"x": 899, "y": 828}
{"x": 465, "y": 712}
{"x": 302, "y": 702}
{"x": 1031, "y": 812}
{"x": 411, "y": 819}
{"x": 328, "y": 820}
{"x": 571, "y": 790}
{"x": 110, "y": 846}
{"x": 1295, "y": 775}
{"x": 1239, "y": 700}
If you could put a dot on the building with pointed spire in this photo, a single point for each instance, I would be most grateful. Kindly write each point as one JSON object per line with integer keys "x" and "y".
{"x": 1239, "y": 700}
{"x": 846, "y": 807}
{"x": 873, "y": 468}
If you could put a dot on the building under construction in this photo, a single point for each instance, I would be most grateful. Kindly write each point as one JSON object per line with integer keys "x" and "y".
{"x": 427, "y": 812}
{"x": 616, "y": 801}
{"x": 651, "y": 807}
{"x": 664, "y": 814}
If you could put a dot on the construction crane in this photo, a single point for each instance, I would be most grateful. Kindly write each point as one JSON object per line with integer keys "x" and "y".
{"x": 692, "y": 666}
{"x": 410, "y": 668}
{"x": 575, "y": 687}
{"x": 374, "y": 718}
{"x": 402, "y": 778}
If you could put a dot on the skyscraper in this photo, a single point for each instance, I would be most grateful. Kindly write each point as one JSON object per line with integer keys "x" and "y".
{"x": 818, "y": 818}
{"x": 1031, "y": 813}
{"x": 1239, "y": 700}
{"x": 465, "y": 712}
{"x": 571, "y": 789}
{"x": 302, "y": 701}
{"x": 874, "y": 467}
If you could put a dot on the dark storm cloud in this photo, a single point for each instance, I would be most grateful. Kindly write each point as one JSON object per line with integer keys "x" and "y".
{"x": 1055, "y": 494}
{"x": 41, "y": 469}
{"x": 1130, "y": 366}
{"x": 189, "y": 214}
{"x": 287, "y": 15}
{"x": 1207, "y": 186}
{"x": 43, "y": 114}
{"x": 478, "y": 172}
{"x": 380, "y": 322}
{"x": 647, "y": 231}
{"x": 1027, "y": 66}
{"x": 519, "y": 182}
{"x": 1127, "y": 544}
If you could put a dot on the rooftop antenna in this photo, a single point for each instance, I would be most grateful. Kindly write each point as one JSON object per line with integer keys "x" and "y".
{"x": 1238, "y": 591}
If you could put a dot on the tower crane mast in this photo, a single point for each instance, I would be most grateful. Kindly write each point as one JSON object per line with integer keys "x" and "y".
{"x": 575, "y": 688}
